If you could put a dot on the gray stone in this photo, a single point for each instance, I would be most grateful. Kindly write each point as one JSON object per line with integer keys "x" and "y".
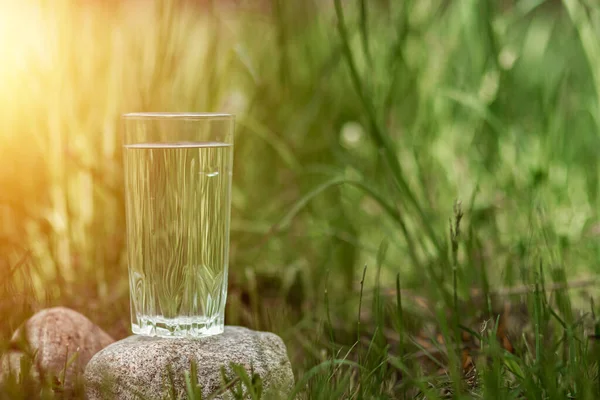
{"x": 140, "y": 365}
{"x": 61, "y": 340}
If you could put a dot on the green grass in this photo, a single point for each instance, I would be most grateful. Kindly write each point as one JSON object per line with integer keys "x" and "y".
{"x": 360, "y": 126}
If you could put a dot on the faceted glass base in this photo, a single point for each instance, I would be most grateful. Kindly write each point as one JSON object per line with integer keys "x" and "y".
{"x": 181, "y": 327}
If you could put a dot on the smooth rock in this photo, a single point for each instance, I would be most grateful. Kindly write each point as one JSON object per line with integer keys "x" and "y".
{"x": 62, "y": 341}
{"x": 139, "y": 365}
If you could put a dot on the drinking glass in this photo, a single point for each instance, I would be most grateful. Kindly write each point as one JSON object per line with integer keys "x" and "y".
{"x": 178, "y": 202}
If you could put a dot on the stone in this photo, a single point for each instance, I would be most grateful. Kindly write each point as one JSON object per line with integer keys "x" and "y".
{"x": 62, "y": 342}
{"x": 143, "y": 367}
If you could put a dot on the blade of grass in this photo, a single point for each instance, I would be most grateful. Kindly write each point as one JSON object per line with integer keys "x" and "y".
{"x": 382, "y": 140}
{"x": 303, "y": 202}
{"x": 318, "y": 368}
{"x": 364, "y": 29}
{"x": 589, "y": 40}
{"x": 360, "y": 299}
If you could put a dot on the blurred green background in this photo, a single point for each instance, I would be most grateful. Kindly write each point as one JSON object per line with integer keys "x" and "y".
{"x": 354, "y": 140}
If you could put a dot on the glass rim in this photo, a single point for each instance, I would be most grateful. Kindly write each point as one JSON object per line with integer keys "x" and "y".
{"x": 178, "y": 115}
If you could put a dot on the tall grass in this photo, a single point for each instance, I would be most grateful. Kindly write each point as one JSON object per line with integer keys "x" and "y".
{"x": 360, "y": 125}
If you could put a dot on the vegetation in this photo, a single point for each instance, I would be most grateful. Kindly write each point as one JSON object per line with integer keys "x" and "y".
{"x": 364, "y": 127}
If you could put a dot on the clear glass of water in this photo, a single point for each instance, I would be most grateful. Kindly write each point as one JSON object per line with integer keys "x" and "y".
{"x": 178, "y": 201}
